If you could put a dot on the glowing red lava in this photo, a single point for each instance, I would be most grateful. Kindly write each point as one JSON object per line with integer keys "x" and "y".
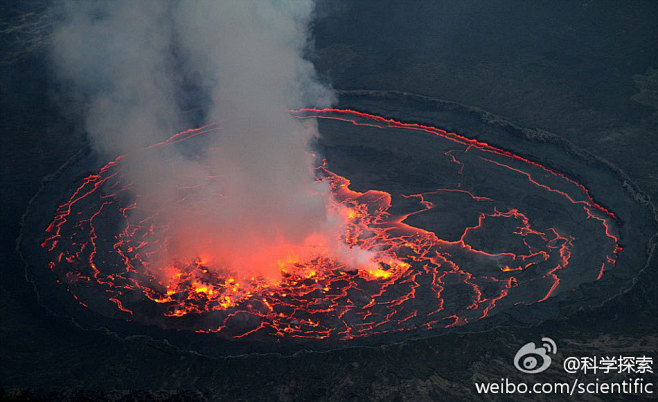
{"x": 419, "y": 281}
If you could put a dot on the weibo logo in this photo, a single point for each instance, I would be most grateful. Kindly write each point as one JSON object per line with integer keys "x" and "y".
{"x": 532, "y": 359}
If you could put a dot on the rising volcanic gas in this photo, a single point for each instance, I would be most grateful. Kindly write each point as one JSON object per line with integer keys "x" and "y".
{"x": 128, "y": 60}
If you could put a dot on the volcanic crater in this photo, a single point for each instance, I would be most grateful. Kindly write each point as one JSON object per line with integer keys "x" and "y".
{"x": 476, "y": 223}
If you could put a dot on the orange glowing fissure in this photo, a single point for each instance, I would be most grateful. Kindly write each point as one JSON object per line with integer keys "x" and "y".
{"x": 317, "y": 298}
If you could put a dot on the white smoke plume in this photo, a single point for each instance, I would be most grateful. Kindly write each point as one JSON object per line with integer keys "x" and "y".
{"x": 260, "y": 202}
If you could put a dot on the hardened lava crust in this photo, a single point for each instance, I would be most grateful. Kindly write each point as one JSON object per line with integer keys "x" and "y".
{"x": 477, "y": 224}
